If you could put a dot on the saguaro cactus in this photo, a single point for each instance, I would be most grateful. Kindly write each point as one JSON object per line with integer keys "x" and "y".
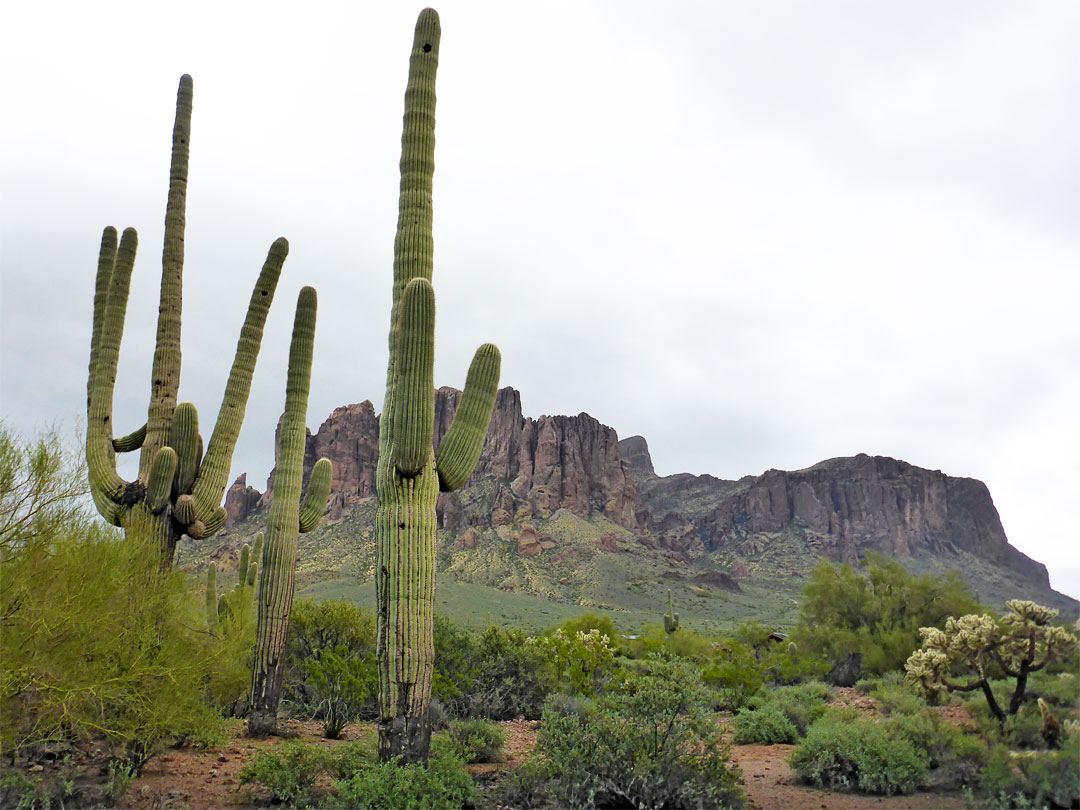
{"x": 286, "y": 521}
{"x": 409, "y": 475}
{"x": 671, "y": 618}
{"x": 179, "y": 489}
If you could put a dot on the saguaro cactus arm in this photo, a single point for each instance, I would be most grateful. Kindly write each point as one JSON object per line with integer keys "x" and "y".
{"x": 414, "y": 386}
{"x": 318, "y": 492}
{"x": 460, "y": 448}
{"x": 214, "y": 470}
{"x": 132, "y": 441}
{"x": 165, "y": 375}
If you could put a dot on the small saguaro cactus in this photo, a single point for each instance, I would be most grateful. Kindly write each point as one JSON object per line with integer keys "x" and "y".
{"x": 211, "y": 598}
{"x": 287, "y": 519}
{"x": 671, "y": 618}
{"x": 179, "y": 488}
{"x": 409, "y": 475}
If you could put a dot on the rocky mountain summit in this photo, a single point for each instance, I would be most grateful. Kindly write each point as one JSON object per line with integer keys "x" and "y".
{"x": 535, "y": 475}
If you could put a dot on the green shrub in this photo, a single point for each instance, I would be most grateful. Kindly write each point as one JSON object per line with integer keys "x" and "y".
{"x": 442, "y": 785}
{"x": 651, "y": 744}
{"x": 953, "y": 756}
{"x": 475, "y": 740}
{"x": 340, "y": 687}
{"x": 802, "y": 704}
{"x": 734, "y": 675}
{"x": 344, "y": 684}
{"x": 767, "y": 726}
{"x": 844, "y": 751}
{"x": 352, "y": 757}
{"x": 1032, "y": 779}
{"x": 582, "y": 661}
{"x": 288, "y": 773}
{"x": 898, "y": 699}
{"x": 876, "y": 614}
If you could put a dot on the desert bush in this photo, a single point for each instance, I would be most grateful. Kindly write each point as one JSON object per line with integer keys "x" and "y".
{"x": 97, "y": 642}
{"x": 953, "y": 757}
{"x": 845, "y": 751}
{"x": 288, "y": 772}
{"x": 1033, "y": 779}
{"x": 345, "y": 682}
{"x": 801, "y": 704}
{"x": 495, "y": 674}
{"x": 475, "y": 740}
{"x": 650, "y": 744}
{"x": 735, "y": 676}
{"x": 897, "y": 699}
{"x": 582, "y": 662}
{"x": 442, "y": 785}
{"x": 767, "y": 726}
{"x": 877, "y": 615}
{"x": 340, "y": 687}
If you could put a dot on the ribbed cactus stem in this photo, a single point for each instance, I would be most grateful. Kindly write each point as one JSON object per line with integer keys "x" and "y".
{"x": 408, "y": 475}
{"x": 245, "y": 559}
{"x": 170, "y": 464}
{"x": 283, "y": 526}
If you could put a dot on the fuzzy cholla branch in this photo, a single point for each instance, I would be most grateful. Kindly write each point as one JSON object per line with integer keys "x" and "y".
{"x": 962, "y": 657}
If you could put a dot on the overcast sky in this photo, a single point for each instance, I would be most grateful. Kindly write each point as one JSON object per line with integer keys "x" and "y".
{"x": 759, "y": 234}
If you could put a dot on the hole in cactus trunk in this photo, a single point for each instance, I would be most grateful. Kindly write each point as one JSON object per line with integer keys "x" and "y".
{"x": 427, "y": 47}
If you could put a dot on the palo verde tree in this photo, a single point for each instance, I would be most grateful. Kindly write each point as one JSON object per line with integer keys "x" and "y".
{"x": 973, "y": 649}
{"x": 179, "y": 488}
{"x": 409, "y": 475}
{"x": 287, "y": 520}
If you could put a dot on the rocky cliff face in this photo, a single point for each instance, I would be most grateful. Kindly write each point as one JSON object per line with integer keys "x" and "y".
{"x": 528, "y": 467}
{"x": 531, "y": 468}
{"x": 843, "y": 507}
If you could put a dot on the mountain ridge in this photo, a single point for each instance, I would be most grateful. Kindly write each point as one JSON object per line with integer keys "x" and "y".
{"x": 550, "y": 493}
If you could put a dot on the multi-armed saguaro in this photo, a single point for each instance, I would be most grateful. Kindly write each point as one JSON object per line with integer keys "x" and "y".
{"x": 286, "y": 521}
{"x": 179, "y": 489}
{"x": 409, "y": 476}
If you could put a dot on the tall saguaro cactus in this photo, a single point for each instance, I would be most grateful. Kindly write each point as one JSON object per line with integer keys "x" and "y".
{"x": 287, "y": 520}
{"x": 179, "y": 489}
{"x": 409, "y": 475}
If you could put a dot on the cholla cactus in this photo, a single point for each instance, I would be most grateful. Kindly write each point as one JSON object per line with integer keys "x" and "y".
{"x": 179, "y": 489}
{"x": 963, "y": 656}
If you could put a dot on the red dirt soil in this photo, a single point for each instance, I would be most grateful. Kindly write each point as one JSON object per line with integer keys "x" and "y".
{"x": 209, "y": 780}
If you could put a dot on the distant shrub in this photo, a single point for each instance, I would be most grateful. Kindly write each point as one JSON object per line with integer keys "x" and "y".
{"x": 767, "y": 726}
{"x": 582, "y": 661}
{"x": 898, "y": 699}
{"x": 475, "y": 740}
{"x": 844, "y": 751}
{"x": 734, "y": 675}
{"x": 876, "y": 614}
{"x": 442, "y": 785}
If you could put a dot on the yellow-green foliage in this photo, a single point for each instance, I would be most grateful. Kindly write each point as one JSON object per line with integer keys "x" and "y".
{"x": 876, "y": 614}
{"x": 97, "y": 644}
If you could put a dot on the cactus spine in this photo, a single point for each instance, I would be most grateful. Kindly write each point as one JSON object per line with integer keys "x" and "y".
{"x": 178, "y": 490}
{"x": 671, "y": 618}
{"x": 285, "y": 524}
{"x": 409, "y": 476}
